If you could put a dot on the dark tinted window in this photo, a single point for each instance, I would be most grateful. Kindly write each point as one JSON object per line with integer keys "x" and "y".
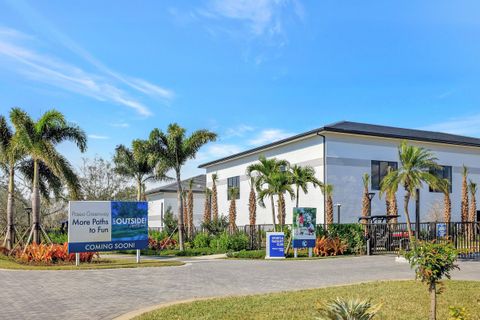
{"x": 233, "y": 182}
{"x": 444, "y": 172}
{"x": 379, "y": 171}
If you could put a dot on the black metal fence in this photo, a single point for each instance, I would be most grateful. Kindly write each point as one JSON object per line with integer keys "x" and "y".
{"x": 393, "y": 237}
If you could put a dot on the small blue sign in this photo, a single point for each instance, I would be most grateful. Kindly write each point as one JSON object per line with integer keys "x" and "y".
{"x": 275, "y": 245}
{"x": 303, "y": 243}
{"x": 441, "y": 230}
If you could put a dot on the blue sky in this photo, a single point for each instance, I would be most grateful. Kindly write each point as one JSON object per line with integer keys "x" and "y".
{"x": 252, "y": 71}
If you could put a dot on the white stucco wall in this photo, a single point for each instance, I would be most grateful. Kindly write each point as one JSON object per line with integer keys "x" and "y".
{"x": 169, "y": 199}
{"x": 307, "y": 151}
{"x": 348, "y": 158}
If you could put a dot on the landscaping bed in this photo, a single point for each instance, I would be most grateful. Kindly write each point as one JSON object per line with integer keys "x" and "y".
{"x": 400, "y": 300}
{"x": 98, "y": 263}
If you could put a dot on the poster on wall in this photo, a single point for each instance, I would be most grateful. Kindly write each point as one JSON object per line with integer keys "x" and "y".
{"x": 107, "y": 226}
{"x": 304, "y": 223}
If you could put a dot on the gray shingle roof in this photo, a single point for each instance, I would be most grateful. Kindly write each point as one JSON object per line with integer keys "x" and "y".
{"x": 199, "y": 183}
{"x": 367, "y": 130}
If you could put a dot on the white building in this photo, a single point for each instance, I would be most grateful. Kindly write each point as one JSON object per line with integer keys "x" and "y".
{"x": 341, "y": 153}
{"x": 164, "y": 198}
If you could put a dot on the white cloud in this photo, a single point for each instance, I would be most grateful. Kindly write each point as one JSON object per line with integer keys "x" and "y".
{"x": 120, "y": 125}
{"x": 468, "y": 125}
{"x": 217, "y": 150}
{"x": 98, "y": 137}
{"x": 260, "y": 17}
{"x": 238, "y": 131}
{"x": 269, "y": 135}
{"x": 104, "y": 85}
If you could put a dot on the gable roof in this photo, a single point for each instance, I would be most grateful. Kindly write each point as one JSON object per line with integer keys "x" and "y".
{"x": 199, "y": 183}
{"x": 367, "y": 130}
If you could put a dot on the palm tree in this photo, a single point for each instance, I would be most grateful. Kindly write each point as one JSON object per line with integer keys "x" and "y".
{"x": 443, "y": 185}
{"x": 134, "y": 163}
{"x": 262, "y": 172}
{"x": 185, "y": 212}
{"x": 207, "y": 211}
{"x": 473, "y": 201}
{"x": 391, "y": 201}
{"x": 327, "y": 191}
{"x": 190, "y": 209}
{"x": 277, "y": 184}
{"x": 10, "y": 154}
{"x": 252, "y": 203}
{"x": 172, "y": 150}
{"x": 301, "y": 177}
{"x": 464, "y": 203}
{"x": 365, "y": 199}
{"x": 214, "y": 198}
{"x": 232, "y": 212}
{"x": 416, "y": 164}
{"x": 39, "y": 140}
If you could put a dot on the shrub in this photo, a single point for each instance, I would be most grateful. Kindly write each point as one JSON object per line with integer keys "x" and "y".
{"x": 340, "y": 309}
{"x": 457, "y": 313}
{"x": 220, "y": 243}
{"x": 48, "y": 254}
{"x": 216, "y": 228}
{"x": 244, "y": 254}
{"x": 202, "y": 240}
{"x": 238, "y": 241}
{"x": 326, "y": 246}
{"x": 351, "y": 234}
{"x": 164, "y": 244}
{"x": 158, "y": 235}
{"x": 58, "y": 237}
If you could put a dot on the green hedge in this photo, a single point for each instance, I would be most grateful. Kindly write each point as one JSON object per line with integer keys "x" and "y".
{"x": 352, "y": 234}
{"x": 244, "y": 254}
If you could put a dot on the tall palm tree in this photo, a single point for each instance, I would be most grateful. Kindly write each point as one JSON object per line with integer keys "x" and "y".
{"x": 327, "y": 191}
{"x": 185, "y": 212}
{"x": 365, "y": 199}
{"x": 190, "y": 209}
{"x": 277, "y": 184}
{"x": 232, "y": 212}
{"x": 207, "y": 210}
{"x": 214, "y": 198}
{"x": 134, "y": 163}
{"x": 262, "y": 171}
{"x": 391, "y": 201}
{"x": 172, "y": 150}
{"x": 10, "y": 154}
{"x": 39, "y": 140}
{"x": 252, "y": 203}
{"x": 464, "y": 202}
{"x": 472, "y": 186}
{"x": 301, "y": 177}
{"x": 443, "y": 185}
{"x": 416, "y": 166}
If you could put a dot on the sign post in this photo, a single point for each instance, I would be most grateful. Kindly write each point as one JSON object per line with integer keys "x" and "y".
{"x": 107, "y": 226}
{"x": 304, "y": 224}
{"x": 275, "y": 245}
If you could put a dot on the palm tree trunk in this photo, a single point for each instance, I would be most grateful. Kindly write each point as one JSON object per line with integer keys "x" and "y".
{"x": 36, "y": 203}
{"x": 139, "y": 190}
{"x": 10, "y": 236}
{"x": 406, "y": 199}
{"x": 298, "y": 193}
{"x": 433, "y": 301}
{"x": 180, "y": 210}
{"x": 273, "y": 213}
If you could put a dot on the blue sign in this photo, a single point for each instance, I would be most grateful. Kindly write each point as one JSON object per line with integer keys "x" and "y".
{"x": 441, "y": 230}
{"x": 107, "y": 226}
{"x": 275, "y": 245}
{"x": 303, "y": 243}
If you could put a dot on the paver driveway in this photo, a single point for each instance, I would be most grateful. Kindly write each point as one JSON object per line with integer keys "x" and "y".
{"x": 104, "y": 294}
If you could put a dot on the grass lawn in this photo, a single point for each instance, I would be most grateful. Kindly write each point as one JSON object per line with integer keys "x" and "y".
{"x": 400, "y": 299}
{"x": 6, "y": 263}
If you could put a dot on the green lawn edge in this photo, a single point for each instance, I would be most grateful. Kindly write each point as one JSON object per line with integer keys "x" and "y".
{"x": 9, "y": 264}
{"x": 400, "y": 300}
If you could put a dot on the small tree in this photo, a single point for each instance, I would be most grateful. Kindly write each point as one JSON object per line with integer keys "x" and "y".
{"x": 328, "y": 192}
{"x": 432, "y": 261}
{"x": 191, "y": 224}
{"x": 252, "y": 203}
{"x": 473, "y": 201}
{"x": 214, "y": 198}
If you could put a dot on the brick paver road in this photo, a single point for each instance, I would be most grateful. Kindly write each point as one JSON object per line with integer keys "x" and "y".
{"x": 104, "y": 294}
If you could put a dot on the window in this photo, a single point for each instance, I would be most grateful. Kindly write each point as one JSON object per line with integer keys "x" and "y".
{"x": 233, "y": 182}
{"x": 444, "y": 172}
{"x": 380, "y": 170}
